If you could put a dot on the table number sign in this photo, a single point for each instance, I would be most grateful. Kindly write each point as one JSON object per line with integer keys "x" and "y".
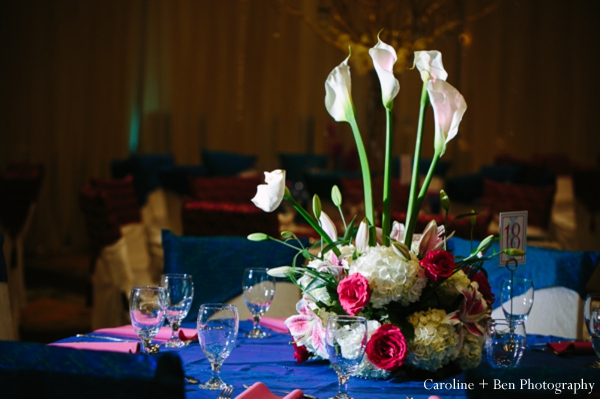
{"x": 513, "y": 234}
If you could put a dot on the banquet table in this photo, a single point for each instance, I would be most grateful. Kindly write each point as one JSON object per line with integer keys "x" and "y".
{"x": 271, "y": 362}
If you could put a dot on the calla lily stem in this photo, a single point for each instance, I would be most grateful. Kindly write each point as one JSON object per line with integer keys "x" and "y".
{"x": 366, "y": 173}
{"x": 387, "y": 177}
{"x": 413, "y": 209}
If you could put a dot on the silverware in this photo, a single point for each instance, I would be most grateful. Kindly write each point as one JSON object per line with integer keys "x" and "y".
{"x": 226, "y": 392}
{"x": 190, "y": 379}
{"x": 103, "y": 337}
{"x": 283, "y": 392}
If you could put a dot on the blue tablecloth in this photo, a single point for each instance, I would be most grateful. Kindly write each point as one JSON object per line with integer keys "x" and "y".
{"x": 271, "y": 361}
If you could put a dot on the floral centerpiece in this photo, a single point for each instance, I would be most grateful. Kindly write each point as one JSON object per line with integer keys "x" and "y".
{"x": 425, "y": 306}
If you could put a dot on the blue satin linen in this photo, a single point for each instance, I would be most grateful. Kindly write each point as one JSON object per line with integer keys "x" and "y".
{"x": 217, "y": 263}
{"x": 30, "y": 370}
{"x": 271, "y": 361}
{"x": 546, "y": 267}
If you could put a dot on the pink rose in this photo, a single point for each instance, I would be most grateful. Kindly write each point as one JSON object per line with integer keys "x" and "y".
{"x": 387, "y": 347}
{"x": 301, "y": 354}
{"x": 354, "y": 293}
{"x": 438, "y": 265}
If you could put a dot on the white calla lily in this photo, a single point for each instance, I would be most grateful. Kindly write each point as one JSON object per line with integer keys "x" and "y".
{"x": 384, "y": 57}
{"x": 429, "y": 63}
{"x": 269, "y": 196}
{"x": 362, "y": 237}
{"x": 449, "y": 107}
{"x": 338, "y": 97}
{"x": 328, "y": 226}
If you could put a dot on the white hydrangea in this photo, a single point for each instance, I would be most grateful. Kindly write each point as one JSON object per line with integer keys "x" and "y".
{"x": 434, "y": 344}
{"x": 391, "y": 277}
{"x": 350, "y": 340}
{"x": 471, "y": 351}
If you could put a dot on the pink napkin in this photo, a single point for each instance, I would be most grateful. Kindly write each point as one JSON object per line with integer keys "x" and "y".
{"x": 260, "y": 391}
{"x": 571, "y": 348}
{"x": 275, "y": 324}
{"x": 163, "y": 335}
{"x": 123, "y": 347}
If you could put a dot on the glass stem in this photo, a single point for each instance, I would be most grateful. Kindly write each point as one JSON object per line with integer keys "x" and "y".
{"x": 343, "y": 385}
{"x": 174, "y": 331}
{"x": 256, "y": 322}
{"x": 216, "y": 370}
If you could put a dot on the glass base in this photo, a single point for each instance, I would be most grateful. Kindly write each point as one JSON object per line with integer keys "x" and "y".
{"x": 175, "y": 343}
{"x": 594, "y": 365}
{"x": 214, "y": 384}
{"x": 257, "y": 334}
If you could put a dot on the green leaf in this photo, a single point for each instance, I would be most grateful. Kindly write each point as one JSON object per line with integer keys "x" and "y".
{"x": 336, "y": 196}
{"x": 287, "y": 235}
{"x": 258, "y": 237}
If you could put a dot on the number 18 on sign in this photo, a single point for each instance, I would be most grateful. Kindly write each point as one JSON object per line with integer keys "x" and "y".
{"x": 513, "y": 234}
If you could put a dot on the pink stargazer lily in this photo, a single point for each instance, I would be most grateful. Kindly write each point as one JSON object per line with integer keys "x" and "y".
{"x": 307, "y": 329}
{"x": 472, "y": 312}
{"x": 431, "y": 239}
{"x": 328, "y": 226}
{"x": 449, "y": 107}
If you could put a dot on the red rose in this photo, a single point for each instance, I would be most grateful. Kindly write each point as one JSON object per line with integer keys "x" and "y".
{"x": 484, "y": 286}
{"x": 354, "y": 293}
{"x": 438, "y": 265}
{"x": 387, "y": 347}
{"x": 301, "y": 354}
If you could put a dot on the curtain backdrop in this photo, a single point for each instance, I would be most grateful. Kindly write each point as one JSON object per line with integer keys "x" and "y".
{"x": 77, "y": 76}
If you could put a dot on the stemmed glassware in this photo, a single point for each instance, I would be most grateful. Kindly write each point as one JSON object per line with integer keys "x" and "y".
{"x": 505, "y": 342}
{"x": 345, "y": 340}
{"x": 591, "y": 315}
{"x": 147, "y": 310}
{"x": 517, "y": 298}
{"x": 218, "y": 325}
{"x": 180, "y": 292}
{"x": 259, "y": 289}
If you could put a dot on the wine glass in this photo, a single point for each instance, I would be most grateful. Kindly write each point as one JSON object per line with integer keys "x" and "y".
{"x": 218, "y": 325}
{"x": 345, "y": 340}
{"x": 517, "y": 298}
{"x": 147, "y": 310}
{"x": 591, "y": 312}
{"x": 505, "y": 342}
{"x": 180, "y": 291}
{"x": 259, "y": 289}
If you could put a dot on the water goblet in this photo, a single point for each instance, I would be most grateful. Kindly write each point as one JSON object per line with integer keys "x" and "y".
{"x": 505, "y": 342}
{"x": 147, "y": 310}
{"x": 345, "y": 340}
{"x": 591, "y": 306}
{"x": 218, "y": 325}
{"x": 259, "y": 289}
{"x": 180, "y": 292}
{"x": 517, "y": 298}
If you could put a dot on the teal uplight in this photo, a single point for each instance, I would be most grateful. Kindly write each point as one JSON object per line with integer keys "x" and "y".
{"x": 134, "y": 130}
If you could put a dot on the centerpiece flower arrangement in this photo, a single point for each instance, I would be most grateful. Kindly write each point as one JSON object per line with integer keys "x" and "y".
{"x": 425, "y": 306}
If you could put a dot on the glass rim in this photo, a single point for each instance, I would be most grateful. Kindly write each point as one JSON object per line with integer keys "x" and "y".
{"x": 176, "y": 275}
{"x": 217, "y": 305}
{"x": 146, "y": 287}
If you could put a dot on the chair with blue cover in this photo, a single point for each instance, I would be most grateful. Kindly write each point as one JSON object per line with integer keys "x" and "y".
{"x": 560, "y": 278}
{"x": 7, "y": 325}
{"x": 31, "y": 370}
{"x": 217, "y": 265}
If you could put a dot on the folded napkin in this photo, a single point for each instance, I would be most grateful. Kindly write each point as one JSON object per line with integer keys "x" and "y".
{"x": 123, "y": 347}
{"x": 260, "y": 391}
{"x": 274, "y": 323}
{"x": 163, "y": 335}
{"x": 571, "y": 348}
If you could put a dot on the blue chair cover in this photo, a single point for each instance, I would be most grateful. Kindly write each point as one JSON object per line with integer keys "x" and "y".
{"x": 223, "y": 163}
{"x": 545, "y": 266}
{"x": 217, "y": 263}
{"x": 31, "y": 370}
{"x": 145, "y": 170}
